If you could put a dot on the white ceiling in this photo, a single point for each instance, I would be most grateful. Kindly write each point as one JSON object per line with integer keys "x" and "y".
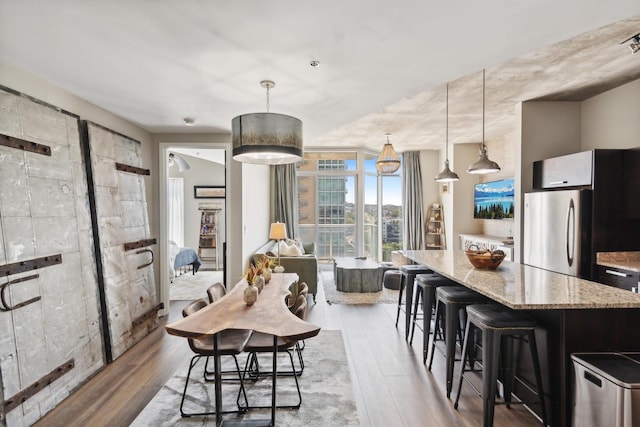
{"x": 383, "y": 65}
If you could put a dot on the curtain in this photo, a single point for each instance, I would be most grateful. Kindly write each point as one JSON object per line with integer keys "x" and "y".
{"x": 175, "y": 196}
{"x": 413, "y": 211}
{"x": 284, "y": 196}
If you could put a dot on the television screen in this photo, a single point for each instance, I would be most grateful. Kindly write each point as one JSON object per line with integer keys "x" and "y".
{"x": 494, "y": 200}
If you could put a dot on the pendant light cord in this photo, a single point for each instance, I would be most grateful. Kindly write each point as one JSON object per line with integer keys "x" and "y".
{"x": 446, "y": 140}
{"x": 269, "y": 105}
{"x": 483, "y": 84}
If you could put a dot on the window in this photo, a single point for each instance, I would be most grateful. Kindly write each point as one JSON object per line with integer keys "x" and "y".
{"x": 341, "y": 221}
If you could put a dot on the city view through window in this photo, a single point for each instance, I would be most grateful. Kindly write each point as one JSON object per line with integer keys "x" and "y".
{"x": 343, "y": 217}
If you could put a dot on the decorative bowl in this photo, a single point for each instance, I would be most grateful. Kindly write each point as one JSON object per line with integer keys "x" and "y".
{"x": 485, "y": 258}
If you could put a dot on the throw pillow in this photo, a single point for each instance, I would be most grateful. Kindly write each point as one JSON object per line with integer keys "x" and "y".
{"x": 289, "y": 250}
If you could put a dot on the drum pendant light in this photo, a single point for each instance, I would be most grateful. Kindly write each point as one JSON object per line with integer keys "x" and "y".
{"x": 266, "y": 138}
{"x": 447, "y": 175}
{"x": 483, "y": 165}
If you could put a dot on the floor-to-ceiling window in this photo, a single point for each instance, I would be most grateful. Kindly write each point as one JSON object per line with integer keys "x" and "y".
{"x": 327, "y": 204}
{"x": 341, "y": 207}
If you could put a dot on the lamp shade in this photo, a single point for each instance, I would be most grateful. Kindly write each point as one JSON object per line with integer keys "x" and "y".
{"x": 278, "y": 231}
{"x": 266, "y": 138}
{"x": 388, "y": 160}
{"x": 447, "y": 175}
{"x": 483, "y": 165}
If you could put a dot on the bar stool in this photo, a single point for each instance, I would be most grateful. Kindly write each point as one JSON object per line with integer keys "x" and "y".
{"x": 409, "y": 273}
{"x": 427, "y": 284}
{"x": 497, "y": 322}
{"x": 451, "y": 299}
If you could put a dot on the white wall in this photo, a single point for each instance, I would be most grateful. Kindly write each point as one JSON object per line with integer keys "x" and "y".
{"x": 255, "y": 210}
{"x": 612, "y": 119}
{"x": 201, "y": 172}
{"x": 458, "y": 201}
{"x": 430, "y": 165}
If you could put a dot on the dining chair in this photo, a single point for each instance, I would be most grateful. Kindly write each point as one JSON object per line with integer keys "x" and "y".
{"x": 216, "y": 291}
{"x": 261, "y": 343}
{"x": 232, "y": 343}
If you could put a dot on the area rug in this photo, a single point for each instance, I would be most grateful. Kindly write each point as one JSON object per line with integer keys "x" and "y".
{"x": 334, "y": 296}
{"x": 326, "y": 388}
{"x": 189, "y": 287}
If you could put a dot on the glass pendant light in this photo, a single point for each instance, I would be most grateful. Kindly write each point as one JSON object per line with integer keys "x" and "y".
{"x": 447, "y": 175}
{"x": 483, "y": 165}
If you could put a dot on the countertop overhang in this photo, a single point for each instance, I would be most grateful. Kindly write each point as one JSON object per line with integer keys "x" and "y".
{"x": 622, "y": 260}
{"x": 521, "y": 286}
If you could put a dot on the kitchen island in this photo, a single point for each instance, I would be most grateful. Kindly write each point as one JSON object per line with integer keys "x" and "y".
{"x": 574, "y": 315}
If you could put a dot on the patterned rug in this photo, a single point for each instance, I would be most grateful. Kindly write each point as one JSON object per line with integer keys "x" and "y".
{"x": 189, "y": 287}
{"x": 326, "y": 388}
{"x": 334, "y": 296}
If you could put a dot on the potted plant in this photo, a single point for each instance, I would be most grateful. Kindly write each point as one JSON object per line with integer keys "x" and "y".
{"x": 251, "y": 291}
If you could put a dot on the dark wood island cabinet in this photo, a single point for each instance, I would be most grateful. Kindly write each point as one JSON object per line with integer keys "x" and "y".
{"x": 574, "y": 315}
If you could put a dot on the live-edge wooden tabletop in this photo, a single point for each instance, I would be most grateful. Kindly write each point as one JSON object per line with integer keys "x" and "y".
{"x": 269, "y": 314}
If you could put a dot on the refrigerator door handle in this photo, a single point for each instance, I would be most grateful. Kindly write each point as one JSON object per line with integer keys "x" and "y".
{"x": 571, "y": 229}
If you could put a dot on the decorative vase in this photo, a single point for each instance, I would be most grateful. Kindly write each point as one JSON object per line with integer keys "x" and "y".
{"x": 278, "y": 269}
{"x": 259, "y": 283}
{"x": 250, "y": 294}
{"x": 266, "y": 273}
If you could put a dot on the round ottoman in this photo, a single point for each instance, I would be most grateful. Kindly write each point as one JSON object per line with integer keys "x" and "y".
{"x": 391, "y": 279}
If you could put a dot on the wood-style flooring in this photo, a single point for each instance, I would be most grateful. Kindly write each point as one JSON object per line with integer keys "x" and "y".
{"x": 391, "y": 385}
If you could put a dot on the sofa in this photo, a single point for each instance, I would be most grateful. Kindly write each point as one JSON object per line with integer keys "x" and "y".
{"x": 306, "y": 265}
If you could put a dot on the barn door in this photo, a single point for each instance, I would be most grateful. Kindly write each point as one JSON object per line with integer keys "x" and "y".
{"x": 50, "y": 339}
{"x": 123, "y": 245}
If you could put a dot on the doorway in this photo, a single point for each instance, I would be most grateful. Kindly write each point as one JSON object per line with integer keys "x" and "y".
{"x": 192, "y": 189}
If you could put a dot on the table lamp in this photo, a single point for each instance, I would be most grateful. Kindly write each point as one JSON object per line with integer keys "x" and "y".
{"x": 278, "y": 232}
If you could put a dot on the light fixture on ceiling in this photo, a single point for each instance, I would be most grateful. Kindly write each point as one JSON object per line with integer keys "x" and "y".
{"x": 266, "y": 138}
{"x": 182, "y": 164}
{"x": 483, "y": 165}
{"x": 447, "y": 175}
{"x": 635, "y": 43}
{"x": 189, "y": 121}
{"x": 388, "y": 160}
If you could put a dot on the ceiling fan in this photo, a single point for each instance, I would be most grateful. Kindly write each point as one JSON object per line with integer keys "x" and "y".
{"x": 182, "y": 164}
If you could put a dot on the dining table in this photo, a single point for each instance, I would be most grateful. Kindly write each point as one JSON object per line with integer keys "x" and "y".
{"x": 573, "y": 315}
{"x": 269, "y": 314}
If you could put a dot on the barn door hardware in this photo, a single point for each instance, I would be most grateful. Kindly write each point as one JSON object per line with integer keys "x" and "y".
{"x": 149, "y": 314}
{"x": 141, "y": 251}
{"x": 5, "y": 305}
{"x": 21, "y": 144}
{"x": 22, "y": 396}
{"x": 32, "y": 264}
{"x": 139, "y": 244}
{"x": 132, "y": 169}
{"x": 21, "y": 267}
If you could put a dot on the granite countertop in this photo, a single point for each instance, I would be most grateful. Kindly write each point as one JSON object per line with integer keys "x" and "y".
{"x": 520, "y": 286}
{"x": 623, "y": 260}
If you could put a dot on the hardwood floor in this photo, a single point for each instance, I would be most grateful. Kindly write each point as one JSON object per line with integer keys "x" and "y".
{"x": 391, "y": 385}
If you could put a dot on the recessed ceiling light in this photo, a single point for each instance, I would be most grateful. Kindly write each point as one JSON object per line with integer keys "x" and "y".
{"x": 189, "y": 121}
{"x": 314, "y": 63}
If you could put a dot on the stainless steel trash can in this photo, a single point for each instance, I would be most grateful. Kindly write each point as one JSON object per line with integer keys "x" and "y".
{"x": 606, "y": 389}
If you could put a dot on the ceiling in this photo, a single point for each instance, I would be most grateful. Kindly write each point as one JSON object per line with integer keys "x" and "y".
{"x": 382, "y": 65}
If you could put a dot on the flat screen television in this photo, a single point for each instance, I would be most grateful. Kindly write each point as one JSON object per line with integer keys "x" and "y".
{"x": 494, "y": 200}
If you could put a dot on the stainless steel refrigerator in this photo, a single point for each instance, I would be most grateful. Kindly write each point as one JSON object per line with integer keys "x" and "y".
{"x": 557, "y": 234}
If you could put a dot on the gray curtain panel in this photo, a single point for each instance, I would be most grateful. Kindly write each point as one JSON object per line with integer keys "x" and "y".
{"x": 412, "y": 196}
{"x": 284, "y": 193}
